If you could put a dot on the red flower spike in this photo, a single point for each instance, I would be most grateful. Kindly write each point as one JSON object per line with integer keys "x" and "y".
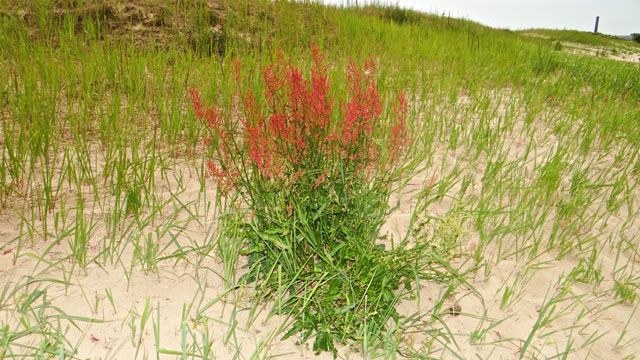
{"x": 398, "y": 139}
{"x": 292, "y": 131}
{"x": 197, "y": 104}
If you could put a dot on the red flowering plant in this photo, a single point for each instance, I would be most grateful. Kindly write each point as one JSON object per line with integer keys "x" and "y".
{"x": 316, "y": 176}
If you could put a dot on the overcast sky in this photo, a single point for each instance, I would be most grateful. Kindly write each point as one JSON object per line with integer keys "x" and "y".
{"x": 618, "y": 17}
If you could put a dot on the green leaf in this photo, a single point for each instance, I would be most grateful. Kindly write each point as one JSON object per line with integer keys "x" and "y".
{"x": 323, "y": 342}
{"x": 346, "y": 308}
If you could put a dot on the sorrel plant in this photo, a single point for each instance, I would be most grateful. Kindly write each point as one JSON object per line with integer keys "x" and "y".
{"x": 315, "y": 175}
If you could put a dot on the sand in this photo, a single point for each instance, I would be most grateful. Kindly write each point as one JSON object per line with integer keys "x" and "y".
{"x": 188, "y": 299}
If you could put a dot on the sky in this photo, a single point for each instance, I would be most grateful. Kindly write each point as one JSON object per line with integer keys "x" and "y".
{"x": 617, "y": 17}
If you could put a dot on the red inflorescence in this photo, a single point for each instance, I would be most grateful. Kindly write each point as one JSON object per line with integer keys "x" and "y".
{"x": 399, "y": 135}
{"x": 295, "y": 124}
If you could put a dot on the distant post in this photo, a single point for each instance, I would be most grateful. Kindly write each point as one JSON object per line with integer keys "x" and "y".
{"x": 595, "y": 30}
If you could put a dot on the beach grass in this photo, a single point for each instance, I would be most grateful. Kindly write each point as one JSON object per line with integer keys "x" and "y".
{"x": 116, "y": 243}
